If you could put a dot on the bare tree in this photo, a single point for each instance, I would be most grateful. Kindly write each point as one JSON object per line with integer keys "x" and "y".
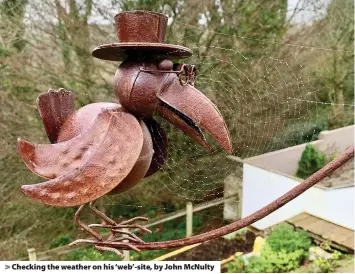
{"x": 337, "y": 75}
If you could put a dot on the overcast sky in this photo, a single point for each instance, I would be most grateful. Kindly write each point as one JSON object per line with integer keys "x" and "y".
{"x": 306, "y": 10}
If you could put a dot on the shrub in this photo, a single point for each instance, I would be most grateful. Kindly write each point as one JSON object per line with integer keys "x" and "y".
{"x": 299, "y": 133}
{"x": 258, "y": 265}
{"x": 275, "y": 261}
{"x": 89, "y": 254}
{"x": 286, "y": 238}
{"x": 323, "y": 265}
{"x": 237, "y": 266}
{"x": 284, "y": 250}
{"x": 311, "y": 161}
{"x": 60, "y": 241}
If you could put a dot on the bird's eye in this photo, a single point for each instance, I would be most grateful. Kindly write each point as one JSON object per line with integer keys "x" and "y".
{"x": 165, "y": 64}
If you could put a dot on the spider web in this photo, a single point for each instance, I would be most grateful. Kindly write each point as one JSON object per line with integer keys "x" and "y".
{"x": 269, "y": 101}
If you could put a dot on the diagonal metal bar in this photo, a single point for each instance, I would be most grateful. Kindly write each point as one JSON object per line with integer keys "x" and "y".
{"x": 257, "y": 215}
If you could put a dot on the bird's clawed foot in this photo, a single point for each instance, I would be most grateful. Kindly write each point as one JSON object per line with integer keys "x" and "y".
{"x": 112, "y": 243}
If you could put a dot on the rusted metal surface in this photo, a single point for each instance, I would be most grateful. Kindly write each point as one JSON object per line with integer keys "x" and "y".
{"x": 142, "y": 165}
{"x": 141, "y": 35}
{"x": 115, "y": 228}
{"x": 185, "y": 124}
{"x": 82, "y": 119}
{"x": 141, "y": 26}
{"x": 151, "y": 91}
{"x": 54, "y": 108}
{"x": 144, "y": 88}
{"x": 53, "y": 160}
{"x": 107, "y": 162}
{"x": 185, "y": 72}
{"x": 107, "y": 148}
{"x": 160, "y": 146}
{"x": 189, "y": 102}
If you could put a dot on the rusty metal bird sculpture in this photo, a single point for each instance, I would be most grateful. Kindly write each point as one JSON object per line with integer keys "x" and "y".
{"x": 107, "y": 148}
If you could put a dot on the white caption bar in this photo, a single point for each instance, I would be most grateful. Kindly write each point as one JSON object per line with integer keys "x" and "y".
{"x": 113, "y": 267}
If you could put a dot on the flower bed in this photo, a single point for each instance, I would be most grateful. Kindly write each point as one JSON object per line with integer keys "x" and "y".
{"x": 218, "y": 249}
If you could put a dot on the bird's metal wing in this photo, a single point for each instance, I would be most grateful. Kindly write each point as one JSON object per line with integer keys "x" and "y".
{"x": 111, "y": 148}
{"x": 141, "y": 166}
{"x": 152, "y": 157}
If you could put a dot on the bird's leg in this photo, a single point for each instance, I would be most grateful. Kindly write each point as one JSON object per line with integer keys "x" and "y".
{"x": 106, "y": 248}
{"x": 117, "y": 227}
{"x": 107, "y": 245}
{"x": 104, "y": 217}
{"x": 100, "y": 248}
{"x": 101, "y": 215}
{"x": 84, "y": 226}
{"x": 112, "y": 243}
{"x": 93, "y": 233}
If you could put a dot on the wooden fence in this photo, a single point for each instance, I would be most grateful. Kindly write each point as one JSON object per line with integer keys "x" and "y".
{"x": 188, "y": 212}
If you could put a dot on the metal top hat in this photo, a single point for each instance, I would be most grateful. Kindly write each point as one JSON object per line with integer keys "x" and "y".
{"x": 140, "y": 33}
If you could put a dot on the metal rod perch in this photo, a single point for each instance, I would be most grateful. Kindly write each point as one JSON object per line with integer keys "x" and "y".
{"x": 257, "y": 215}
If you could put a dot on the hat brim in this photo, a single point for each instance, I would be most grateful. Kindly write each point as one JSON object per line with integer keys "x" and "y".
{"x": 121, "y": 51}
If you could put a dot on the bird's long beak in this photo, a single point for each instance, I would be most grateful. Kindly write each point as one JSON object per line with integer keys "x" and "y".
{"x": 189, "y": 109}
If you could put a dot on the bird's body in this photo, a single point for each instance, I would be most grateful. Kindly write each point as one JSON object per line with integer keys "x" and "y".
{"x": 121, "y": 137}
{"x": 108, "y": 147}
{"x": 47, "y": 162}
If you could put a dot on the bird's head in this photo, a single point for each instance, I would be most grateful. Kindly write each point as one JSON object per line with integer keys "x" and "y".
{"x": 159, "y": 87}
